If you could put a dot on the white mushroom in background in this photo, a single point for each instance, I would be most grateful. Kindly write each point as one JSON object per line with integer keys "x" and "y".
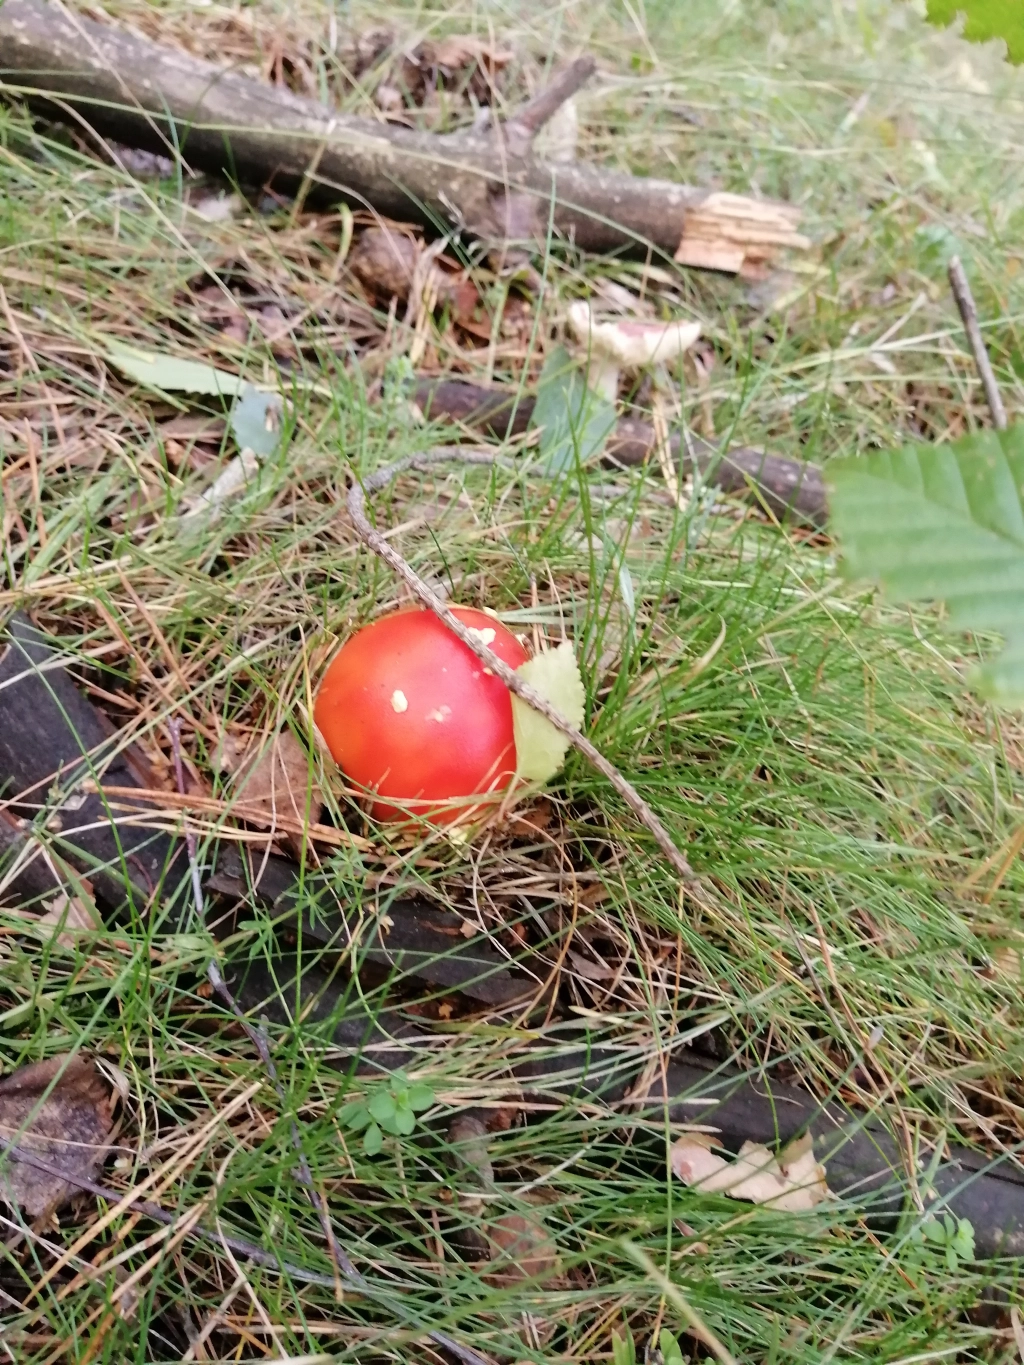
{"x": 618, "y": 344}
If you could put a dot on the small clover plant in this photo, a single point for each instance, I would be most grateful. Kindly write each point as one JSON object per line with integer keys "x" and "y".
{"x": 391, "y": 1108}
{"x": 952, "y": 1239}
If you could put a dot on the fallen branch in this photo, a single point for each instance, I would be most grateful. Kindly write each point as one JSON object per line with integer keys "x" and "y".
{"x": 789, "y": 488}
{"x": 487, "y": 182}
{"x": 511, "y": 679}
{"x": 523, "y": 126}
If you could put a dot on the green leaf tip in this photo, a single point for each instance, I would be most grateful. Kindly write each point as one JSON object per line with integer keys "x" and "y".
{"x": 984, "y": 20}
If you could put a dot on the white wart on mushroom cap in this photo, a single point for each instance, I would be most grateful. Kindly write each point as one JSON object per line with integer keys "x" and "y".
{"x": 619, "y": 344}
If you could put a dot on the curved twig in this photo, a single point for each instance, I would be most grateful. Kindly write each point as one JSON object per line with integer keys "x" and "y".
{"x": 373, "y": 538}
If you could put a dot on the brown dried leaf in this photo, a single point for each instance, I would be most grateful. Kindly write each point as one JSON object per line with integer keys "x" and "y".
{"x": 73, "y": 917}
{"x": 521, "y": 1249}
{"x": 69, "y": 1129}
{"x": 591, "y": 971}
{"x": 464, "y": 302}
{"x": 462, "y": 49}
{"x": 230, "y": 753}
{"x": 277, "y": 782}
{"x": 384, "y": 262}
{"x": 533, "y": 821}
{"x": 194, "y": 449}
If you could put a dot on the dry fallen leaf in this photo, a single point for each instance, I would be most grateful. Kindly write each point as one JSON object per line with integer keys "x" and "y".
{"x": 384, "y": 261}
{"x": 278, "y": 782}
{"x": 69, "y": 1129}
{"x": 72, "y": 917}
{"x": 521, "y": 1249}
{"x": 792, "y": 1182}
{"x": 460, "y": 49}
{"x": 532, "y": 821}
{"x": 230, "y": 752}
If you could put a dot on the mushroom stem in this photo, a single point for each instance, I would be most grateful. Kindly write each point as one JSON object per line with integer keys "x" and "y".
{"x": 603, "y": 376}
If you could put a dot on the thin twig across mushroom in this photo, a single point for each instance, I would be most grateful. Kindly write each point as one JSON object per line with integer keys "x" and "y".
{"x": 511, "y": 679}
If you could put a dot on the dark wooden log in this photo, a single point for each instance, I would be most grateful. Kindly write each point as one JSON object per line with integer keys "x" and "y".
{"x": 54, "y": 749}
{"x": 149, "y": 96}
{"x": 34, "y": 882}
{"x": 863, "y": 1158}
{"x": 421, "y": 940}
{"x": 788, "y": 487}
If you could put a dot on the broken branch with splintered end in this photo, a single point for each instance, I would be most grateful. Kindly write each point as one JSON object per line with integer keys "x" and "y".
{"x": 969, "y": 313}
{"x": 511, "y": 679}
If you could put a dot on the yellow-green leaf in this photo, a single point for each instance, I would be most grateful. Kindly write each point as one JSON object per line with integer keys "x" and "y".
{"x": 985, "y": 20}
{"x": 540, "y": 748}
{"x": 170, "y": 374}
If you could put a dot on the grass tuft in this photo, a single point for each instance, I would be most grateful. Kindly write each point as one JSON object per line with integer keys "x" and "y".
{"x": 813, "y": 750}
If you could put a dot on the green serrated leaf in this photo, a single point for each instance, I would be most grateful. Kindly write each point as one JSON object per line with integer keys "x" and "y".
{"x": 984, "y": 20}
{"x": 944, "y": 523}
{"x": 170, "y": 374}
{"x": 256, "y": 421}
{"x": 373, "y": 1140}
{"x": 540, "y": 748}
{"x": 574, "y": 421}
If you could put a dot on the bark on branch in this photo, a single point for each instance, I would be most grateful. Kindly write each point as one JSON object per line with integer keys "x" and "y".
{"x": 137, "y": 92}
{"x": 788, "y": 488}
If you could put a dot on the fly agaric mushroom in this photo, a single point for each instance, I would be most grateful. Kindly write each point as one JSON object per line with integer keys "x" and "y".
{"x": 413, "y": 717}
{"x": 626, "y": 344}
